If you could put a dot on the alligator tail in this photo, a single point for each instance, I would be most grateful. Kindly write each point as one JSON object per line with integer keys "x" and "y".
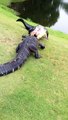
{"x": 9, "y": 67}
{"x": 13, "y": 65}
{"x": 27, "y": 26}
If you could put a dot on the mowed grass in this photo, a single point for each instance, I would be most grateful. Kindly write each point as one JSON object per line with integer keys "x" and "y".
{"x": 39, "y": 89}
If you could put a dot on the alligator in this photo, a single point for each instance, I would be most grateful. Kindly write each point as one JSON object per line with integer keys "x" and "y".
{"x": 39, "y": 31}
{"x": 24, "y": 49}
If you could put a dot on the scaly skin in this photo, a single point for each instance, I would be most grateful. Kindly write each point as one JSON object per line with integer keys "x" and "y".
{"x": 24, "y": 49}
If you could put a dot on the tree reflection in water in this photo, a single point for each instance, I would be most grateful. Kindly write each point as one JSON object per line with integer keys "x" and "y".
{"x": 45, "y": 12}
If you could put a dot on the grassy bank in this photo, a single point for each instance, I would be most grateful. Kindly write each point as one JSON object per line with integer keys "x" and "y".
{"x": 39, "y": 90}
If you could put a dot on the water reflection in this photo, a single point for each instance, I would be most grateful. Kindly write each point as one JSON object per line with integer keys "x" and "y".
{"x": 65, "y": 6}
{"x": 62, "y": 22}
{"x": 45, "y": 12}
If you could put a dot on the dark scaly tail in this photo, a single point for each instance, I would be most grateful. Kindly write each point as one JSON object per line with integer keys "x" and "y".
{"x": 15, "y": 64}
{"x": 27, "y": 26}
{"x": 9, "y": 67}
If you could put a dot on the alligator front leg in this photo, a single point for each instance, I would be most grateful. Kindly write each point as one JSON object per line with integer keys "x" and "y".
{"x": 41, "y": 46}
{"x": 24, "y": 36}
{"x": 33, "y": 49}
{"x": 37, "y": 56}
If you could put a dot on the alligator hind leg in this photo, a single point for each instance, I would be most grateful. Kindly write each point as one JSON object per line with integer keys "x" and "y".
{"x": 18, "y": 48}
{"x": 33, "y": 49}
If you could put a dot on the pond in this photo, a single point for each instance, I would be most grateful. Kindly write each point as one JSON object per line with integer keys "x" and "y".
{"x": 51, "y": 13}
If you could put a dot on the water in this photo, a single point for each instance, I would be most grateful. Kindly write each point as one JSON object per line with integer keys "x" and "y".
{"x": 51, "y": 13}
{"x": 62, "y": 22}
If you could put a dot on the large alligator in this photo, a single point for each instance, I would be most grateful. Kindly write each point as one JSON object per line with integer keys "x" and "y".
{"x": 39, "y": 31}
{"x": 24, "y": 49}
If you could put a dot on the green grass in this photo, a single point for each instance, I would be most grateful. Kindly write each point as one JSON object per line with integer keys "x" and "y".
{"x": 8, "y": 2}
{"x": 39, "y": 90}
{"x": 5, "y": 2}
